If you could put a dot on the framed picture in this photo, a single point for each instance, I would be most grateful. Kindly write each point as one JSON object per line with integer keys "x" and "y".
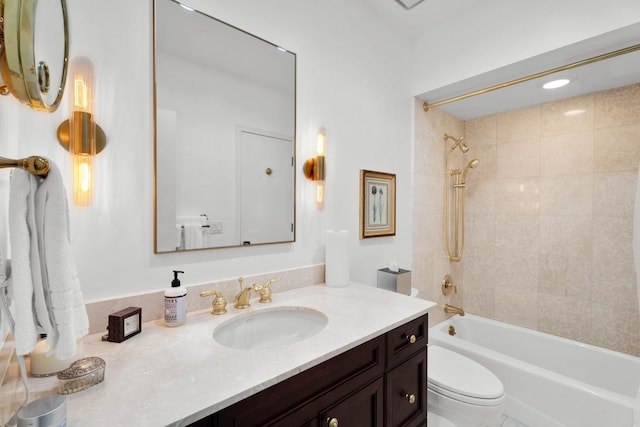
{"x": 377, "y": 204}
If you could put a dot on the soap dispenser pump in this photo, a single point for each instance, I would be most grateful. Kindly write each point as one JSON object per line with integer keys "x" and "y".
{"x": 175, "y": 302}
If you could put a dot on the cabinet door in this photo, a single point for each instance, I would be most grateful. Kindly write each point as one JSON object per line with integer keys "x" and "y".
{"x": 363, "y": 408}
{"x": 407, "y": 392}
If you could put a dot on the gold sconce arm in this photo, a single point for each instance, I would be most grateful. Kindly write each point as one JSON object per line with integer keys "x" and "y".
{"x": 314, "y": 168}
{"x": 63, "y": 132}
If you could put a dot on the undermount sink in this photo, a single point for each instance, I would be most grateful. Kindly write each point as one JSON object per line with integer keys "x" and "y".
{"x": 271, "y": 327}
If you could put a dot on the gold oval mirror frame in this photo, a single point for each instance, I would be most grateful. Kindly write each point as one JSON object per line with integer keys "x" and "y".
{"x": 20, "y": 75}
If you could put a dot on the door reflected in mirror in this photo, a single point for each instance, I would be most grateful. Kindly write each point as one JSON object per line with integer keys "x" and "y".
{"x": 225, "y": 134}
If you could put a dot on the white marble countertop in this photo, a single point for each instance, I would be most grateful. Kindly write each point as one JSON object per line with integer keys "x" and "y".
{"x": 174, "y": 376}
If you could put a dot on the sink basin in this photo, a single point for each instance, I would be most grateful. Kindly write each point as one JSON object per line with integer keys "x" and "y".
{"x": 270, "y": 328}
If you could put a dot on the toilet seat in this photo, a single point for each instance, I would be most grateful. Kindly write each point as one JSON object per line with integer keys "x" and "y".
{"x": 460, "y": 378}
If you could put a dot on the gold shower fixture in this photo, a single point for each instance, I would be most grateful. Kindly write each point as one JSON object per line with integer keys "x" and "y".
{"x": 458, "y": 143}
{"x": 459, "y": 182}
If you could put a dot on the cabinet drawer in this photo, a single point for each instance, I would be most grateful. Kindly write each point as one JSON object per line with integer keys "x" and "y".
{"x": 406, "y": 390}
{"x": 356, "y": 367}
{"x": 407, "y": 339}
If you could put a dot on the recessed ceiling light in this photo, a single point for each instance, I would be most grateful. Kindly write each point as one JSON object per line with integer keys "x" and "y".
{"x": 408, "y": 4}
{"x": 555, "y": 84}
{"x": 573, "y": 112}
{"x": 190, "y": 9}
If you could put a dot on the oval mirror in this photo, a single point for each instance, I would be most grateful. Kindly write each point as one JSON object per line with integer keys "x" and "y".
{"x": 34, "y": 59}
{"x": 224, "y": 141}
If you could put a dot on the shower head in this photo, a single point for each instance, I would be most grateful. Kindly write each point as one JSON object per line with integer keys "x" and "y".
{"x": 458, "y": 143}
{"x": 471, "y": 165}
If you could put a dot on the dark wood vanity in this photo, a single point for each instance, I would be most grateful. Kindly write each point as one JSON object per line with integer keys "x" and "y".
{"x": 382, "y": 382}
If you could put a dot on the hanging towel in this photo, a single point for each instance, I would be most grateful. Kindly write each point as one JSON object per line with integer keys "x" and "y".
{"x": 192, "y": 236}
{"x": 179, "y": 233}
{"x": 59, "y": 274}
{"x": 21, "y": 234}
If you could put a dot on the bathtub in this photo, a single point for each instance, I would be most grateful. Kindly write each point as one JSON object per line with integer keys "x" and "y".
{"x": 549, "y": 381}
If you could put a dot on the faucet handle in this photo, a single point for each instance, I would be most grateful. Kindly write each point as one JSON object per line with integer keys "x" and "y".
{"x": 219, "y": 303}
{"x": 265, "y": 290}
{"x": 448, "y": 285}
{"x": 275, "y": 279}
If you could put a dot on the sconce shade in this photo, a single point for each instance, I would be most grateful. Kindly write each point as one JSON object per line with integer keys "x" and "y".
{"x": 80, "y": 135}
{"x": 313, "y": 168}
{"x": 82, "y": 142}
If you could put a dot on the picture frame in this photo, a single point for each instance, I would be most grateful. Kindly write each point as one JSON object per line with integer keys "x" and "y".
{"x": 377, "y": 204}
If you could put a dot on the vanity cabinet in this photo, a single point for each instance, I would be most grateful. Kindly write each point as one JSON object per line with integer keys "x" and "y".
{"x": 381, "y": 383}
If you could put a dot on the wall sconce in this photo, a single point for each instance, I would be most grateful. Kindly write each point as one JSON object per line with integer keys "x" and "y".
{"x": 314, "y": 167}
{"x": 80, "y": 135}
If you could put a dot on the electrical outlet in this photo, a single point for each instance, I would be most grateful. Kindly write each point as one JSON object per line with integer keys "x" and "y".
{"x": 215, "y": 227}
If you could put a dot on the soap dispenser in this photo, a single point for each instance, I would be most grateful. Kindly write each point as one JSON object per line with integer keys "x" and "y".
{"x": 175, "y": 302}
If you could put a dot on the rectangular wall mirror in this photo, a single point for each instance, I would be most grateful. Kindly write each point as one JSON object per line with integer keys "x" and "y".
{"x": 225, "y": 134}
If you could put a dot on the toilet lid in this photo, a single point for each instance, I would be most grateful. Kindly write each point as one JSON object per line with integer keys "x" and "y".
{"x": 461, "y": 378}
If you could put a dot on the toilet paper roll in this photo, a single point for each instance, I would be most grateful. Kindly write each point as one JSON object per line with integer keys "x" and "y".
{"x": 336, "y": 258}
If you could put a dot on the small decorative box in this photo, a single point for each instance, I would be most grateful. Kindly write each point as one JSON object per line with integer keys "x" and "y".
{"x": 81, "y": 375}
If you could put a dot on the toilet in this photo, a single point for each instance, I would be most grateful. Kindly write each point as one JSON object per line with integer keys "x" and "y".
{"x": 460, "y": 391}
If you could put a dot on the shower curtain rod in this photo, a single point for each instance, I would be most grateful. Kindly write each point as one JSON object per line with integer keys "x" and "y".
{"x": 587, "y": 61}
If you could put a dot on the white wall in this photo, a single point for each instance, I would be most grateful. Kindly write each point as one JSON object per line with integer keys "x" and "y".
{"x": 496, "y": 33}
{"x": 350, "y": 79}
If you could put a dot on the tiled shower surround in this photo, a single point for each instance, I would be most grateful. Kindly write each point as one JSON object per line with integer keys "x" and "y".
{"x": 549, "y": 214}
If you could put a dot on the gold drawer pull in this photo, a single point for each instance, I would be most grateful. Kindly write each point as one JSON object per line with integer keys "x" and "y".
{"x": 332, "y": 422}
{"x": 411, "y": 398}
{"x": 412, "y": 338}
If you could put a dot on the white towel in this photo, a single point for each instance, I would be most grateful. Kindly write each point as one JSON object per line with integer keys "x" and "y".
{"x": 179, "y": 233}
{"x": 193, "y": 236}
{"x": 59, "y": 273}
{"x": 21, "y": 231}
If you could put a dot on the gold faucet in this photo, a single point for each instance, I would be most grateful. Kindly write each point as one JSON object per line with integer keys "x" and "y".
{"x": 219, "y": 303}
{"x": 242, "y": 299}
{"x": 451, "y": 309}
{"x": 265, "y": 290}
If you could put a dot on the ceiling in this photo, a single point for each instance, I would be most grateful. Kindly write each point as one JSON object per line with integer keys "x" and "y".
{"x": 616, "y": 72}
{"x": 610, "y": 73}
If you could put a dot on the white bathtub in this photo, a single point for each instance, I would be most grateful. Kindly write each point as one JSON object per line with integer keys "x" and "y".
{"x": 549, "y": 381}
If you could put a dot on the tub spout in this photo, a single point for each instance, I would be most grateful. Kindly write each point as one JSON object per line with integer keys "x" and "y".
{"x": 450, "y": 309}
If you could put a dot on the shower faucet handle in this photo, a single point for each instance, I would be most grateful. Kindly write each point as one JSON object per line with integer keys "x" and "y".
{"x": 448, "y": 285}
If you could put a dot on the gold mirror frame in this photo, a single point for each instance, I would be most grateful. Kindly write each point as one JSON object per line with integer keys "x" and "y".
{"x": 20, "y": 74}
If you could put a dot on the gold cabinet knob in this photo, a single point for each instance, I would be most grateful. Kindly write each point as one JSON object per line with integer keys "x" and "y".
{"x": 332, "y": 422}
{"x": 411, "y": 398}
{"x": 412, "y": 338}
